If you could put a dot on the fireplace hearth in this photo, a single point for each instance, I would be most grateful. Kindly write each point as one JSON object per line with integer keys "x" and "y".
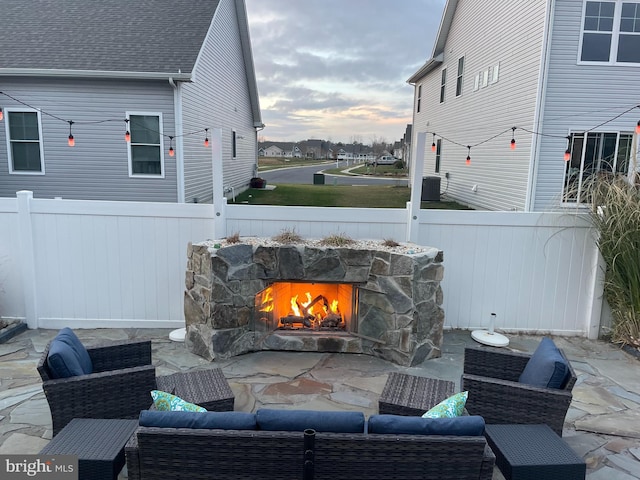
{"x": 249, "y": 297}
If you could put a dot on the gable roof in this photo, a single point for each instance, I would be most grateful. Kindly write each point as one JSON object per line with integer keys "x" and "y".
{"x": 437, "y": 56}
{"x": 150, "y": 38}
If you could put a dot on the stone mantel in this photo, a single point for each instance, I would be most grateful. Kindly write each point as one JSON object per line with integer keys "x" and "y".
{"x": 399, "y": 317}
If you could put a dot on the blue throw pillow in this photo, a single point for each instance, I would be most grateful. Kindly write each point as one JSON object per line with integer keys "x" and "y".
{"x": 546, "y": 368}
{"x": 470, "y": 425}
{"x": 300, "y": 420}
{"x": 67, "y": 356}
{"x": 221, "y": 420}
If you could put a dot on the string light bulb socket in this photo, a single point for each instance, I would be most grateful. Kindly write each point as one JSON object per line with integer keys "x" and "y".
{"x": 468, "y": 161}
{"x": 433, "y": 143}
{"x": 206, "y": 137}
{"x": 71, "y": 141}
{"x": 127, "y": 134}
{"x": 513, "y": 138}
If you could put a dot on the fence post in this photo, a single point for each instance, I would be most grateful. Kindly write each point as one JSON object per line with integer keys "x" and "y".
{"x": 596, "y": 293}
{"x": 219, "y": 202}
{"x": 27, "y": 258}
{"x": 413, "y": 208}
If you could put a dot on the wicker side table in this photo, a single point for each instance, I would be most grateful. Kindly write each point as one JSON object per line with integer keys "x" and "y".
{"x": 532, "y": 452}
{"x": 207, "y": 388}
{"x": 410, "y": 395}
{"x": 98, "y": 444}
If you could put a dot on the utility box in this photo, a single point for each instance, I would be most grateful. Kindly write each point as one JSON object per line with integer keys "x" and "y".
{"x": 318, "y": 178}
{"x": 430, "y": 189}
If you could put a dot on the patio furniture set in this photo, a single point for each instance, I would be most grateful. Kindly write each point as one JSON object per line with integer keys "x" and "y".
{"x": 103, "y": 414}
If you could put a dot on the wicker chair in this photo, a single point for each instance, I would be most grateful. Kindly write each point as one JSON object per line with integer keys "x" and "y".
{"x": 491, "y": 377}
{"x": 119, "y": 386}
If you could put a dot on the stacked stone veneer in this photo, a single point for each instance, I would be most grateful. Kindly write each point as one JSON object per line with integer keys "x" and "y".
{"x": 399, "y": 303}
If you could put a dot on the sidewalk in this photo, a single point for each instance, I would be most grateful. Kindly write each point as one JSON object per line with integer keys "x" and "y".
{"x": 602, "y": 425}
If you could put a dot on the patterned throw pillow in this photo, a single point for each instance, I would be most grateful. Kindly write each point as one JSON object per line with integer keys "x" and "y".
{"x": 449, "y": 408}
{"x": 167, "y": 402}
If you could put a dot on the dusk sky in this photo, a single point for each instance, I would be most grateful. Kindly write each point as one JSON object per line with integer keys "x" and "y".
{"x": 337, "y": 69}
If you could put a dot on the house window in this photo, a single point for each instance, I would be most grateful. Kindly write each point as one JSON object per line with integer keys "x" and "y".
{"x": 459, "y": 78}
{"x": 24, "y": 141}
{"x": 611, "y": 32}
{"x": 594, "y": 154}
{"x": 146, "y": 157}
{"x": 233, "y": 143}
{"x": 438, "y": 154}
{"x": 443, "y": 83}
{"x": 419, "y": 98}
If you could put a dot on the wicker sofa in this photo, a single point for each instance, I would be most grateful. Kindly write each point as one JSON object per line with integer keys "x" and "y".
{"x": 187, "y": 453}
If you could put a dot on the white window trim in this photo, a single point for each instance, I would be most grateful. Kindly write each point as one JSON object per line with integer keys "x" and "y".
{"x": 160, "y": 123}
{"x": 7, "y": 110}
{"x": 460, "y": 75}
{"x": 629, "y": 174}
{"x": 615, "y": 34}
{"x": 442, "y": 91}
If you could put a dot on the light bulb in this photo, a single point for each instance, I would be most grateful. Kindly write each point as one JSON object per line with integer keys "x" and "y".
{"x": 637, "y": 126}
{"x": 71, "y": 141}
{"x": 171, "y": 152}
{"x": 468, "y": 162}
{"x": 206, "y": 142}
{"x": 1, "y": 114}
{"x": 513, "y": 144}
{"x": 433, "y": 147}
{"x": 567, "y": 155}
{"x": 127, "y": 136}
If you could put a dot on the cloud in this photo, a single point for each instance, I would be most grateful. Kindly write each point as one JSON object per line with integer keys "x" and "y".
{"x": 336, "y": 68}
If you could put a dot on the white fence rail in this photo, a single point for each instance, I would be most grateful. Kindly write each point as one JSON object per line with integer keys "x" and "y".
{"x": 120, "y": 264}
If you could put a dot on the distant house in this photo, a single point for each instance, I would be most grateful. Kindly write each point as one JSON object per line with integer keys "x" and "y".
{"x": 406, "y": 146}
{"x": 167, "y": 72}
{"x": 315, "y": 149}
{"x": 273, "y": 151}
{"x": 564, "y": 73}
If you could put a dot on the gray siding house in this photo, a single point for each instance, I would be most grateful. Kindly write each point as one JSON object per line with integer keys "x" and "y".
{"x": 168, "y": 72}
{"x": 565, "y": 73}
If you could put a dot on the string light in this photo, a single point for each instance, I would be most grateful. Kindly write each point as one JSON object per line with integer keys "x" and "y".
{"x": 637, "y": 126}
{"x": 2, "y": 116}
{"x": 433, "y": 144}
{"x": 71, "y": 141}
{"x": 171, "y": 151}
{"x": 206, "y": 137}
{"x": 567, "y": 153}
{"x": 127, "y": 134}
{"x": 468, "y": 162}
{"x": 513, "y": 138}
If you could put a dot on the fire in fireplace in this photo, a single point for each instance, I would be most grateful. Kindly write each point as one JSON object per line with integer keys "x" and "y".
{"x": 310, "y": 307}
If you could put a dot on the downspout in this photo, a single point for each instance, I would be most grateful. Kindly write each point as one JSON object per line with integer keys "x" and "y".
{"x": 534, "y": 158}
{"x": 255, "y": 168}
{"x": 177, "y": 112}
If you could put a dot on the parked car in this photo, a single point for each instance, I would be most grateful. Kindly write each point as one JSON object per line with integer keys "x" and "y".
{"x": 386, "y": 160}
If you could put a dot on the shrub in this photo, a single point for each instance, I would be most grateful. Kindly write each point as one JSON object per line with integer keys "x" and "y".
{"x": 287, "y": 236}
{"x": 337, "y": 240}
{"x": 234, "y": 238}
{"x": 390, "y": 242}
{"x": 616, "y": 216}
{"x": 399, "y": 164}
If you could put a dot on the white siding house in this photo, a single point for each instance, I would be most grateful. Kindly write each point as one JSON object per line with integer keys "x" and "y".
{"x": 168, "y": 72}
{"x": 499, "y": 65}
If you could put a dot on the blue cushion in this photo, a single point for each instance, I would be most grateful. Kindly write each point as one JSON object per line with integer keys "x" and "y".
{"x": 470, "y": 425}
{"x": 300, "y": 420}
{"x": 546, "y": 367}
{"x": 222, "y": 420}
{"x": 67, "y": 356}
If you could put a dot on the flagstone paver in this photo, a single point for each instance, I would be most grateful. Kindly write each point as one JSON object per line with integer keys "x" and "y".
{"x": 602, "y": 425}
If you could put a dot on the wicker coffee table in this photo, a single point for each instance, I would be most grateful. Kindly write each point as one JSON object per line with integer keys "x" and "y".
{"x": 98, "y": 444}
{"x": 207, "y": 388}
{"x": 410, "y": 395}
{"x": 533, "y": 452}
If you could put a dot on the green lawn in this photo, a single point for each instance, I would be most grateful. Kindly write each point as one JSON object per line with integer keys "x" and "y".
{"x": 365, "y": 196}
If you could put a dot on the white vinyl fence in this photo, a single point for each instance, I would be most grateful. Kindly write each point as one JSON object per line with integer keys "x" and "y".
{"x": 90, "y": 264}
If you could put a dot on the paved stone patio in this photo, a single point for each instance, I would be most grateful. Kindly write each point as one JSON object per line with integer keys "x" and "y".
{"x": 602, "y": 425}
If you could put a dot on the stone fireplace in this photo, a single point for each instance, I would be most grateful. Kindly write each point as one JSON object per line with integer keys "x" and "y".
{"x": 366, "y": 299}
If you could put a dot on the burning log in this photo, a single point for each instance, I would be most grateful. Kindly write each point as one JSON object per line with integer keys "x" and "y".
{"x": 331, "y": 321}
{"x": 290, "y": 320}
